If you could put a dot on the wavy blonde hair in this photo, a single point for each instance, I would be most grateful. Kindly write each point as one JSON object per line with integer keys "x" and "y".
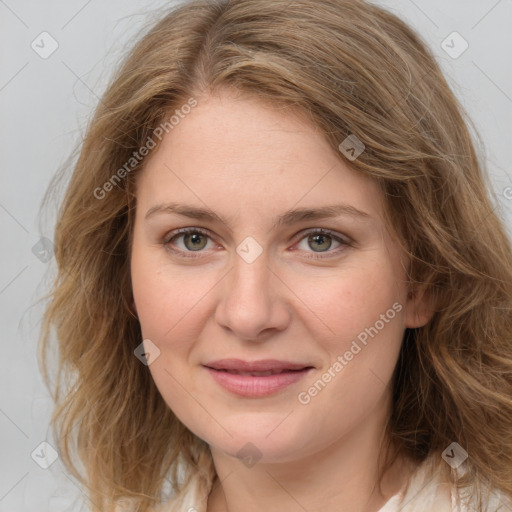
{"x": 351, "y": 68}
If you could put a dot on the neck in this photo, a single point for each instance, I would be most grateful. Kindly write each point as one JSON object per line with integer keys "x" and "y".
{"x": 343, "y": 476}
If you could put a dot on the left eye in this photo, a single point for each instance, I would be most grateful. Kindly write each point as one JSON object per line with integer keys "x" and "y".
{"x": 195, "y": 240}
{"x": 322, "y": 240}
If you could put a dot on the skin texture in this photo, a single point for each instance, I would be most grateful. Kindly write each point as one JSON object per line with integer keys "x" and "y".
{"x": 250, "y": 163}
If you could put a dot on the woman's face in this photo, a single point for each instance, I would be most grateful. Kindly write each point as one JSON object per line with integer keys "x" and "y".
{"x": 256, "y": 288}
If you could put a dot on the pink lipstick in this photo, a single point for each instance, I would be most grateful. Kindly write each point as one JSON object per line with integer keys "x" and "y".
{"x": 256, "y": 378}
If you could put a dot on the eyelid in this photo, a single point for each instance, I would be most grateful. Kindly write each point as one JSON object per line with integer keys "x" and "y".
{"x": 175, "y": 232}
{"x": 334, "y": 234}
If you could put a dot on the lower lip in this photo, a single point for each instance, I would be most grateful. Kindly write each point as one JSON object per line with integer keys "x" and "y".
{"x": 254, "y": 386}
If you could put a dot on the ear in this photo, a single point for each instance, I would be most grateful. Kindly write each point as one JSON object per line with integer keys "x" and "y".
{"x": 419, "y": 308}
{"x": 134, "y": 308}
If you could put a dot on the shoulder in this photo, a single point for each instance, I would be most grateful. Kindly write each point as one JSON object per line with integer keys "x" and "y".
{"x": 429, "y": 489}
{"x": 192, "y": 499}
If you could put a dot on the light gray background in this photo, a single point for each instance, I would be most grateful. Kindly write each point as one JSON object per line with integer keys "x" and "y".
{"x": 45, "y": 104}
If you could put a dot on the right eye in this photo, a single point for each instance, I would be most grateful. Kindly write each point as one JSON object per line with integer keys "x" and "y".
{"x": 193, "y": 240}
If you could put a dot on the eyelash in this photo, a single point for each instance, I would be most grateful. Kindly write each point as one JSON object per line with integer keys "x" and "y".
{"x": 183, "y": 231}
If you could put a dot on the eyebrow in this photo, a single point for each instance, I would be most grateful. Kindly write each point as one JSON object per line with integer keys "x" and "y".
{"x": 286, "y": 219}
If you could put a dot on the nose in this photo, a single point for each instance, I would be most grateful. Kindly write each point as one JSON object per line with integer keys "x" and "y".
{"x": 252, "y": 304}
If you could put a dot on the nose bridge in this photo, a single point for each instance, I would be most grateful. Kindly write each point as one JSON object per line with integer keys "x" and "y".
{"x": 250, "y": 284}
{"x": 250, "y": 302}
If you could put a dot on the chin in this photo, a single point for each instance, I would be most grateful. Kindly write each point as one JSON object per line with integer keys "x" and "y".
{"x": 268, "y": 439}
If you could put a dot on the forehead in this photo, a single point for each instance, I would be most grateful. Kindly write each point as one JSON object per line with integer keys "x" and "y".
{"x": 234, "y": 152}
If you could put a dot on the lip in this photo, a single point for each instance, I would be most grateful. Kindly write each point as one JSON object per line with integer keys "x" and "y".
{"x": 233, "y": 375}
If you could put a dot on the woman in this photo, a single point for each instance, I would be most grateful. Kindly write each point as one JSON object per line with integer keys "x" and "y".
{"x": 281, "y": 282}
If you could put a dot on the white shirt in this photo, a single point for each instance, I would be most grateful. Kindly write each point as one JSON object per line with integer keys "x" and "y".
{"x": 426, "y": 492}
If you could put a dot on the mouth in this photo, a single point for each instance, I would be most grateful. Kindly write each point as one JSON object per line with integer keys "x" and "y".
{"x": 256, "y": 374}
{"x": 257, "y": 378}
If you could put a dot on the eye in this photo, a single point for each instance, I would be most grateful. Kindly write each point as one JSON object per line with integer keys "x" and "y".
{"x": 194, "y": 240}
{"x": 321, "y": 240}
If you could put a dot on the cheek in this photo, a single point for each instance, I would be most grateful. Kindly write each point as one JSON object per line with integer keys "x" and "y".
{"x": 361, "y": 330}
{"x": 169, "y": 308}
{"x": 168, "y": 298}
{"x": 350, "y": 302}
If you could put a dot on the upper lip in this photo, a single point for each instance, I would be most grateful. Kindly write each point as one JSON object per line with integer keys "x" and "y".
{"x": 255, "y": 366}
